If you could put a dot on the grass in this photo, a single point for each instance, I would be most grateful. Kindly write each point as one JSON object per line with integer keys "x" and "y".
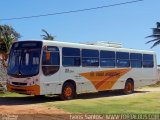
{"x": 141, "y": 103}
{"x": 148, "y": 102}
{"x": 10, "y": 94}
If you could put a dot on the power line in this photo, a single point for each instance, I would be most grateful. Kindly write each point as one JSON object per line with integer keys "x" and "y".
{"x": 72, "y": 11}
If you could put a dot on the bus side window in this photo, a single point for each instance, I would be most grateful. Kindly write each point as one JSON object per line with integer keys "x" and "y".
{"x": 50, "y": 61}
{"x": 107, "y": 59}
{"x": 136, "y": 60}
{"x": 71, "y": 57}
{"x": 122, "y": 59}
{"x": 148, "y": 61}
{"x": 90, "y": 58}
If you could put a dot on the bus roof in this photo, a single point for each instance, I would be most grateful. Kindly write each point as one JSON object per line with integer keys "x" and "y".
{"x": 87, "y": 46}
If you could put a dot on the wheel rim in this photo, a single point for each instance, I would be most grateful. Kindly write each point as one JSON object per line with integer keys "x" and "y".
{"x": 68, "y": 91}
{"x": 129, "y": 87}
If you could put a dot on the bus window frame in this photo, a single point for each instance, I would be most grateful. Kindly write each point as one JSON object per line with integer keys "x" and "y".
{"x": 45, "y": 67}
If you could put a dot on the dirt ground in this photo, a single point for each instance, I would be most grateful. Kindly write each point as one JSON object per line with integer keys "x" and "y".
{"x": 21, "y": 108}
{"x": 29, "y": 112}
{"x": 30, "y": 108}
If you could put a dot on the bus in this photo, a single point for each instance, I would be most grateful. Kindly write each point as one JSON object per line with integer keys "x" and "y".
{"x": 43, "y": 67}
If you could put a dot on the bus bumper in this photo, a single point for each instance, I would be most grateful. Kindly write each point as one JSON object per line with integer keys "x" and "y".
{"x": 30, "y": 90}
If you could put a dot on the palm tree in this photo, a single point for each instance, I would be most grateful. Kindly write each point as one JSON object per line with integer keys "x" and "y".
{"x": 155, "y": 35}
{"x": 7, "y": 36}
{"x": 47, "y": 36}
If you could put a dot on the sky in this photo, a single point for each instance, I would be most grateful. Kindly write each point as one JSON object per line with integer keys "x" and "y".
{"x": 127, "y": 24}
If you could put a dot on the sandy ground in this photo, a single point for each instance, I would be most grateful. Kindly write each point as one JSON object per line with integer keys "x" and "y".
{"x": 150, "y": 89}
{"x": 29, "y": 109}
{"x": 29, "y": 112}
{"x": 32, "y": 108}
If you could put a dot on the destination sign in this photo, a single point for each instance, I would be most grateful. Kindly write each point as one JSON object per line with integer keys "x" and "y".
{"x": 52, "y": 48}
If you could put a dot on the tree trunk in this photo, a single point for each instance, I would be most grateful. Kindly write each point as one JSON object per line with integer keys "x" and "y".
{"x": 4, "y": 59}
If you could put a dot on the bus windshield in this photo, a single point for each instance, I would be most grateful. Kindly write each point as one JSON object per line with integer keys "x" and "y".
{"x": 24, "y": 60}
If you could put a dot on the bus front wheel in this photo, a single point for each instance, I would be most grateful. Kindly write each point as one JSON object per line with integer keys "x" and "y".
{"x": 68, "y": 91}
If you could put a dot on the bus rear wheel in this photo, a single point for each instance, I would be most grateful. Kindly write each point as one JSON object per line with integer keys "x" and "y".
{"x": 129, "y": 87}
{"x": 68, "y": 91}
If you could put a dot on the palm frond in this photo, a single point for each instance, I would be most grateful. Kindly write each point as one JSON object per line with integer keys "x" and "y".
{"x": 155, "y": 44}
{"x": 153, "y": 40}
{"x": 157, "y": 29}
{"x": 47, "y": 36}
{"x": 43, "y": 30}
{"x": 154, "y": 35}
{"x": 43, "y": 35}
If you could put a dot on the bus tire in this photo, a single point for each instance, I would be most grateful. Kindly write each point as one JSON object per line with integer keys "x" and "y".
{"x": 129, "y": 87}
{"x": 68, "y": 91}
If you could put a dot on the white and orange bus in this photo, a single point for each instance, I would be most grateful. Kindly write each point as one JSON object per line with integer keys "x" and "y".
{"x": 66, "y": 69}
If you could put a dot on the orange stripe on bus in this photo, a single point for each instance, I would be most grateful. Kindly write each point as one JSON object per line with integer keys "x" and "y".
{"x": 104, "y": 80}
{"x": 35, "y": 89}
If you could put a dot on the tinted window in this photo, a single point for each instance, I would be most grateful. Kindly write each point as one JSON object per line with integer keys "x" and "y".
{"x": 107, "y": 62}
{"x": 90, "y": 58}
{"x": 148, "y": 61}
{"x": 107, "y": 59}
{"x": 90, "y": 53}
{"x": 136, "y": 60}
{"x": 122, "y": 59}
{"x": 148, "y": 64}
{"x": 123, "y": 63}
{"x": 135, "y": 56}
{"x": 50, "y": 60}
{"x": 122, "y": 55}
{"x": 107, "y": 54}
{"x": 90, "y": 62}
{"x": 71, "y": 61}
{"x": 71, "y": 57}
{"x": 71, "y": 52}
{"x": 53, "y": 60}
{"x": 136, "y": 63}
{"x": 147, "y": 57}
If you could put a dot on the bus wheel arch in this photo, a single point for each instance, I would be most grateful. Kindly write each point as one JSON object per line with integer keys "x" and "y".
{"x": 68, "y": 90}
{"x": 129, "y": 86}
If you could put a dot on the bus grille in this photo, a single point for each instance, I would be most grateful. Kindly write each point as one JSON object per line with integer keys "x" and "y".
{"x": 18, "y": 83}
